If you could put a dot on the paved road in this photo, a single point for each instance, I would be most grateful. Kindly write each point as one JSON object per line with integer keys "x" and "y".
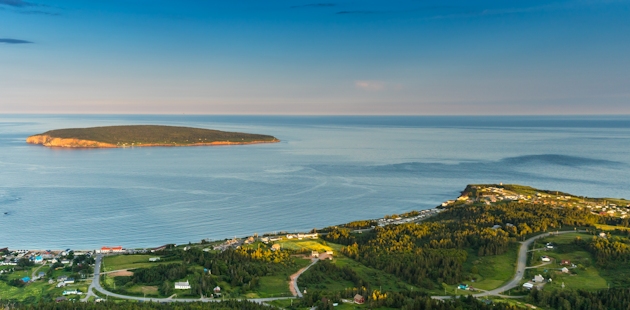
{"x": 96, "y": 285}
{"x": 521, "y": 265}
{"x": 295, "y": 290}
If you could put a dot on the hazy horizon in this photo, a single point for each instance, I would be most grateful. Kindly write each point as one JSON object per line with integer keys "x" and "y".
{"x": 297, "y": 57}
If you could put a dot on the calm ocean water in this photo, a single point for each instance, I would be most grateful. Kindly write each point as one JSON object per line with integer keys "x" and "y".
{"x": 326, "y": 171}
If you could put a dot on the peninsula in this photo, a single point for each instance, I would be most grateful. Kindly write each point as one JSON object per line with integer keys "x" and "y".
{"x": 143, "y": 135}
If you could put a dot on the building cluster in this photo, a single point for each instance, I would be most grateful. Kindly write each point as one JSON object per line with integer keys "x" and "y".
{"x": 12, "y": 257}
{"x": 232, "y": 243}
{"x": 610, "y": 209}
{"x": 400, "y": 220}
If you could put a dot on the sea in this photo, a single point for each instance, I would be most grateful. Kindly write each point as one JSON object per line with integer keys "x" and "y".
{"x": 327, "y": 170}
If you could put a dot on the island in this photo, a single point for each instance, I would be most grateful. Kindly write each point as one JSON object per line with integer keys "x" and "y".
{"x": 143, "y": 135}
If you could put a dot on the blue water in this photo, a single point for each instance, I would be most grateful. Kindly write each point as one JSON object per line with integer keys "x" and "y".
{"x": 326, "y": 171}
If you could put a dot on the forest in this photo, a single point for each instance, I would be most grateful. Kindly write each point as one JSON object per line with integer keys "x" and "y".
{"x": 224, "y": 305}
{"x": 432, "y": 252}
{"x": 614, "y": 298}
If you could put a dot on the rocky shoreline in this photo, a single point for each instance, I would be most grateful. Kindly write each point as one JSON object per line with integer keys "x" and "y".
{"x": 49, "y": 141}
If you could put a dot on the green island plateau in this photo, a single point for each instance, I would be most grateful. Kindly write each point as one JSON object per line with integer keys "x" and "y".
{"x": 143, "y": 135}
{"x": 494, "y": 247}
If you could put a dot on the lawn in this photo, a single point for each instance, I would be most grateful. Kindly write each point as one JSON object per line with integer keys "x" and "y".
{"x": 119, "y": 262}
{"x": 493, "y": 270}
{"x": 610, "y": 227}
{"x": 278, "y": 285}
{"x": 585, "y": 276}
{"x": 305, "y": 245}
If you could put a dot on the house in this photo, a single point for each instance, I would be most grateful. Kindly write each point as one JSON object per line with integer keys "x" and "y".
{"x": 65, "y": 261}
{"x": 217, "y": 291}
{"x": 329, "y": 252}
{"x": 545, "y": 258}
{"x": 496, "y": 226}
{"x": 61, "y": 284}
{"x": 602, "y": 235}
{"x": 26, "y": 279}
{"x": 117, "y": 249}
{"x": 538, "y": 279}
{"x": 62, "y": 278}
{"x": 154, "y": 259}
{"x": 182, "y": 285}
{"x": 565, "y": 262}
{"x": 60, "y": 299}
{"x": 565, "y": 270}
{"x": 358, "y": 299}
{"x": 38, "y": 259}
{"x": 314, "y": 254}
{"x": 528, "y": 285}
{"x": 72, "y": 292}
{"x": 275, "y": 247}
{"x": 549, "y": 246}
{"x": 463, "y": 287}
{"x": 69, "y": 281}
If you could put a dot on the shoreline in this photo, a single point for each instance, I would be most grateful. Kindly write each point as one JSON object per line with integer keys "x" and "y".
{"x": 71, "y": 143}
{"x": 428, "y": 213}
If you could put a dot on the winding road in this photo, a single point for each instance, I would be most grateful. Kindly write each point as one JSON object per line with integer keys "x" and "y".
{"x": 521, "y": 265}
{"x": 96, "y": 285}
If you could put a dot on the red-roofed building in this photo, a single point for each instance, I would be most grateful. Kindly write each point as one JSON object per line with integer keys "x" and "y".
{"x": 358, "y": 299}
{"x": 117, "y": 249}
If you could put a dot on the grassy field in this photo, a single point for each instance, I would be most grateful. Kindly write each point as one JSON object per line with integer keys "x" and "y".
{"x": 306, "y": 245}
{"x": 610, "y": 227}
{"x": 494, "y": 270}
{"x": 119, "y": 262}
{"x": 585, "y": 276}
{"x": 277, "y": 285}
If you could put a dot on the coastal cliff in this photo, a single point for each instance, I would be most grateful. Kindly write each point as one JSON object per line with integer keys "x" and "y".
{"x": 47, "y": 140}
{"x": 143, "y": 136}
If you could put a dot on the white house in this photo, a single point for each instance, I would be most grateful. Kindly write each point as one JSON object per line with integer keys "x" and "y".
{"x": 545, "y": 259}
{"x": 538, "y": 279}
{"x": 182, "y": 285}
{"x": 528, "y": 285}
{"x": 565, "y": 270}
{"x": 154, "y": 259}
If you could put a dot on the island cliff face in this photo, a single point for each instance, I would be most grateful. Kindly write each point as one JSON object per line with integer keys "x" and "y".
{"x": 47, "y": 140}
{"x": 142, "y": 136}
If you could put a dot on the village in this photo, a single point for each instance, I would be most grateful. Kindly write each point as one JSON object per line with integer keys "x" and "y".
{"x": 491, "y": 194}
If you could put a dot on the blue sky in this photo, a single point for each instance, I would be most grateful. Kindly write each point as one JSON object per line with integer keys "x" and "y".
{"x": 310, "y": 57}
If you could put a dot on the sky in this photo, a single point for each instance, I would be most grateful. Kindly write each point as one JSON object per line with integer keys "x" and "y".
{"x": 315, "y": 58}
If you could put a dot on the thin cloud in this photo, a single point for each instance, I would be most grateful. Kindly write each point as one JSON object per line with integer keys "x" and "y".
{"x": 360, "y": 12}
{"x": 36, "y": 12}
{"x": 314, "y": 5}
{"x": 16, "y": 3}
{"x": 30, "y": 8}
{"x": 14, "y": 41}
{"x": 370, "y": 85}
